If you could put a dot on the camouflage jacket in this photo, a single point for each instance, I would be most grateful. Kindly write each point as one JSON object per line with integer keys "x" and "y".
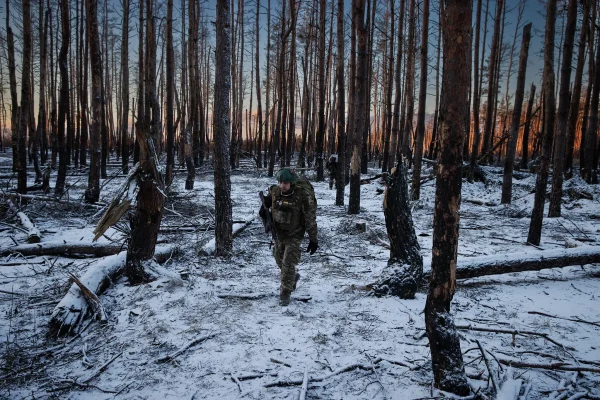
{"x": 294, "y": 213}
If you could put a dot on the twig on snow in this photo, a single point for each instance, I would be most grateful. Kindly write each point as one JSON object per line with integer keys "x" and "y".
{"x": 491, "y": 371}
{"x": 101, "y": 369}
{"x": 576, "y": 319}
{"x": 184, "y": 348}
{"x": 304, "y": 384}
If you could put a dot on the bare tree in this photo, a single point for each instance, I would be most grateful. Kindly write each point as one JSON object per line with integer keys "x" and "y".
{"x": 576, "y": 94}
{"x": 341, "y": 109}
{"x": 63, "y": 103}
{"x": 12, "y": 74}
{"x": 170, "y": 88}
{"x": 563, "y": 112}
{"x": 446, "y": 356}
{"x": 223, "y": 222}
{"x": 25, "y": 99}
{"x": 416, "y": 180}
{"x": 516, "y": 117}
{"x": 125, "y": 89}
{"x": 321, "y": 129}
{"x": 358, "y": 17}
{"x": 259, "y": 116}
{"x": 537, "y": 215}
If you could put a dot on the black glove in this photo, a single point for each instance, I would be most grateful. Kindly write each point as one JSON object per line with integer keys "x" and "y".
{"x": 312, "y": 247}
{"x": 262, "y": 212}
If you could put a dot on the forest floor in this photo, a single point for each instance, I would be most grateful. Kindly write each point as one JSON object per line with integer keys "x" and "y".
{"x": 259, "y": 350}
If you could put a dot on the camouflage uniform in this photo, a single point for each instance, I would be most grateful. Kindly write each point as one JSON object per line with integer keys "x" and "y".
{"x": 293, "y": 213}
{"x": 332, "y": 166}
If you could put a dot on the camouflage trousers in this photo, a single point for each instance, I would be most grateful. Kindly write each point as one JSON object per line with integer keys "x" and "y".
{"x": 287, "y": 256}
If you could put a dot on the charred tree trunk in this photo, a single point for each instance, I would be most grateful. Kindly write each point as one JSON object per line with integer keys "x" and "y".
{"x": 537, "y": 215}
{"x": 527, "y": 128}
{"x": 444, "y": 342}
{"x": 358, "y": 16}
{"x": 404, "y": 270}
{"x": 397, "y": 95}
{"x": 476, "y": 97}
{"x": 516, "y": 117}
{"x": 170, "y": 87}
{"x": 25, "y": 99}
{"x": 576, "y": 94}
{"x": 407, "y": 128}
{"x": 563, "y": 113}
{"x": 42, "y": 117}
{"x": 341, "y": 109}
{"x": 12, "y": 73}
{"x": 590, "y": 164}
{"x": 416, "y": 178}
{"x": 63, "y": 103}
{"x": 92, "y": 194}
{"x": 491, "y": 101}
{"x": 388, "y": 93}
{"x": 259, "y": 115}
{"x": 125, "y": 89}
{"x": 321, "y": 129}
{"x": 83, "y": 90}
{"x": 223, "y": 217}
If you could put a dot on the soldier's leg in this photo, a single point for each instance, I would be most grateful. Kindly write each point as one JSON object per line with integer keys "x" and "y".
{"x": 291, "y": 258}
{"x": 278, "y": 251}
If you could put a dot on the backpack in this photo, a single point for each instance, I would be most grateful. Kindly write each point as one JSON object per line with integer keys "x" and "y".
{"x": 308, "y": 188}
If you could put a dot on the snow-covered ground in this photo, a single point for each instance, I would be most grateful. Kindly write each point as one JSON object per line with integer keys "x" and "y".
{"x": 331, "y": 323}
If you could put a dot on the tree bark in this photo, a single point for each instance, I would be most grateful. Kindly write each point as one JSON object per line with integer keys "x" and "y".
{"x": 416, "y": 178}
{"x": 525, "y": 141}
{"x": 590, "y": 164}
{"x": 125, "y": 89}
{"x": 576, "y": 94}
{"x": 476, "y": 97}
{"x": 491, "y": 101}
{"x": 259, "y": 116}
{"x": 448, "y": 368}
{"x": 404, "y": 270}
{"x": 223, "y": 217}
{"x": 321, "y": 127}
{"x": 516, "y": 117}
{"x": 63, "y": 103}
{"x": 341, "y": 109}
{"x": 25, "y": 100}
{"x": 92, "y": 193}
{"x": 410, "y": 83}
{"x": 388, "y": 92}
{"x": 563, "y": 113}
{"x": 537, "y": 215}
{"x": 358, "y": 16}
{"x": 170, "y": 87}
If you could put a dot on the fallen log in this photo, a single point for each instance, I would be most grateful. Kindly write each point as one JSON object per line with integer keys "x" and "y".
{"x": 473, "y": 267}
{"x": 63, "y": 248}
{"x": 71, "y": 310}
{"x": 209, "y": 248}
{"x": 33, "y": 233}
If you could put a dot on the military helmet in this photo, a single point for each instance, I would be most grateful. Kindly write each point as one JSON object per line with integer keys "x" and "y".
{"x": 286, "y": 175}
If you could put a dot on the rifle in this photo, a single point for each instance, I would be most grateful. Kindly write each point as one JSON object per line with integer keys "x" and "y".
{"x": 267, "y": 220}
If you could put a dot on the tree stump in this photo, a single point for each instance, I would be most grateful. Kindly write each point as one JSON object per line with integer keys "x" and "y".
{"x": 404, "y": 271}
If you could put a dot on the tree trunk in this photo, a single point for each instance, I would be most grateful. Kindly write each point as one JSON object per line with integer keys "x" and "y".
{"x": 404, "y": 270}
{"x": 341, "y": 109}
{"x": 590, "y": 164}
{"x": 416, "y": 178}
{"x": 563, "y": 113}
{"x": 410, "y": 83}
{"x": 388, "y": 92}
{"x": 516, "y": 117}
{"x": 476, "y": 97}
{"x": 259, "y": 115}
{"x": 14, "y": 116}
{"x": 223, "y": 217}
{"x": 537, "y": 215}
{"x": 491, "y": 101}
{"x": 358, "y": 16}
{"x": 25, "y": 100}
{"x": 83, "y": 90}
{"x": 446, "y": 356}
{"x": 576, "y": 94}
{"x": 170, "y": 87}
{"x": 397, "y": 95}
{"x": 92, "y": 193}
{"x": 525, "y": 141}
{"x": 321, "y": 128}
{"x": 63, "y": 103}
{"x": 125, "y": 89}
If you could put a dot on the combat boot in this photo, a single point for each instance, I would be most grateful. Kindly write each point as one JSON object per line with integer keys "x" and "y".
{"x": 284, "y": 298}
{"x": 297, "y": 278}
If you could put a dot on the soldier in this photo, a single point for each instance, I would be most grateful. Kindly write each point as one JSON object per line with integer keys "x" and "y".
{"x": 293, "y": 207}
{"x": 332, "y": 166}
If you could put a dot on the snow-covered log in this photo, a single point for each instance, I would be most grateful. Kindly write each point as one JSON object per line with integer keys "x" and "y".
{"x": 73, "y": 307}
{"x": 472, "y": 267}
{"x": 63, "y": 248}
{"x": 33, "y": 233}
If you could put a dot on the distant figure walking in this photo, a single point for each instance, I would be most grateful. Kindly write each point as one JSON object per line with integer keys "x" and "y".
{"x": 332, "y": 166}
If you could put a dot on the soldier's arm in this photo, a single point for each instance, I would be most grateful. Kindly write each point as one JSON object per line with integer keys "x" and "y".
{"x": 309, "y": 210}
